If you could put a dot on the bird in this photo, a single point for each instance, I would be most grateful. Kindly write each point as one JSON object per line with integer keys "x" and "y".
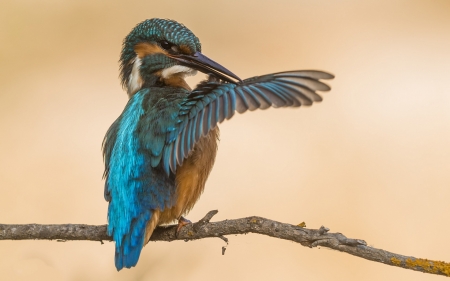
{"x": 159, "y": 152}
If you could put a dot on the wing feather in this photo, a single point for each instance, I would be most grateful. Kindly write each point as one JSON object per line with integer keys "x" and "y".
{"x": 232, "y": 104}
{"x": 173, "y": 155}
{"x": 217, "y": 111}
{"x": 306, "y": 95}
{"x": 307, "y": 83}
{"x": 290, "y": 101}
{"x": 194, "y": 128}
{"x": 199, "y": 125}
{"x": 241, "y": 101}
{"x": 221, "y": 103}
{"x": 314, "y": 74}
{"x": 212, "y": 102}
{"x": 252, "y": 100}
{"x": 207, "y": 123}
{"x": 304, "y": 99}
{"x": 265, "y": 102}
{"x": 188, "y": 136}
{"x": 166, "y": 158}
{"x": 178, "y": 148}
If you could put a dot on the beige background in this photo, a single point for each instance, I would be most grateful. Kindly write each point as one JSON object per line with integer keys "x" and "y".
{"x": 371, "y": 161}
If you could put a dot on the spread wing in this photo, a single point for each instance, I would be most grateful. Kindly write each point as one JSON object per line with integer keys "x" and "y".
{"x": 213, "y": 102}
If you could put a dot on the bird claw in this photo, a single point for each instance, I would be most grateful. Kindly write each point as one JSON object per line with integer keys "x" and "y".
{"x": 181, "y": 223}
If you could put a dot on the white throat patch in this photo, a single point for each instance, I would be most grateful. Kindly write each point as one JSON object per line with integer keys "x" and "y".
{"x": 135, "y": 79}
{"x": 181, "y": 70}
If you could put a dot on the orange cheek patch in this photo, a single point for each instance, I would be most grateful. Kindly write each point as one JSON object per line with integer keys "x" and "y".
{"x": 145, "y": 49}
{"x": 185, "y": 50}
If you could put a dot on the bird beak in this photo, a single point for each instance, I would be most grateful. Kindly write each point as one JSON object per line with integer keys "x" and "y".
{"x": 202, "y": 63}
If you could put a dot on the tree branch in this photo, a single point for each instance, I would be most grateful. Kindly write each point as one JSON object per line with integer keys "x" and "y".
{"x": 204, "y": 229}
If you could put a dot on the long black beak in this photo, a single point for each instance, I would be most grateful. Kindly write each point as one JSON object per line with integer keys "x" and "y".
{"x": 202, "y": 63}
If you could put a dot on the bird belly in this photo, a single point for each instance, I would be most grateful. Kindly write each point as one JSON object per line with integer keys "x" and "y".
{"x": 191, "y": 177}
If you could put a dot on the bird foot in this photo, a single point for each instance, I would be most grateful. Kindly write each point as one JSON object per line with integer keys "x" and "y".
{"x": 181, "y": 223}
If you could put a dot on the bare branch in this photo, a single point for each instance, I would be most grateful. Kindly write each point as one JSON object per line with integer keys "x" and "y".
{"x": 204, "y": 229}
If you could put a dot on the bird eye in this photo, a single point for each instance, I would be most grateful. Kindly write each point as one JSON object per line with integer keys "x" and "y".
{"x": 165, "y": 45}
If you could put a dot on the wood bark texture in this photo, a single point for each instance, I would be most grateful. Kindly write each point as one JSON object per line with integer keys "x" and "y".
{"x": 204, "y": 229}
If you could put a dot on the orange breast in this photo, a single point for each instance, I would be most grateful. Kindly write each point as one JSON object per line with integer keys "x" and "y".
{"x": 191, "y": 176}
{"x": 190, "y": 180}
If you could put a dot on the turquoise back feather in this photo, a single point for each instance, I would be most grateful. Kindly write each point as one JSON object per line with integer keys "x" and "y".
{"x": 135, "y": 184}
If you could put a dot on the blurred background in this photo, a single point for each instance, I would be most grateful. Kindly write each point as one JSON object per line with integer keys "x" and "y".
{"x": 371, "y": 161}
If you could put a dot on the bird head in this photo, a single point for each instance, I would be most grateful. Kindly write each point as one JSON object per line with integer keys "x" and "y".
{"x": 158, "y": 50}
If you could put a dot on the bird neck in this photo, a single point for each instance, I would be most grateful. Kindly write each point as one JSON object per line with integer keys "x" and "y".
{"x": 158, "y": 81}
{"x": 175, "y": 81}
{"x": 173, "y": 76}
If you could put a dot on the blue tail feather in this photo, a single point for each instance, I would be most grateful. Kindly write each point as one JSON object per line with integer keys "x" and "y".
{"x": 128, "y": 252}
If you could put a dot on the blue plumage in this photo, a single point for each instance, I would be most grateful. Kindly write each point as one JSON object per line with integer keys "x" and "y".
{"x": 159, "y": 152}
{"x": 134, "y": 186}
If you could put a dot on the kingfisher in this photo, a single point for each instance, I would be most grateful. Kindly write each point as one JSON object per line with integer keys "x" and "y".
{"x": 159, "y": 152}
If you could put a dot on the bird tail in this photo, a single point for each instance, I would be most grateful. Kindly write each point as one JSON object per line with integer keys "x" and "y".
{"x": 129, "y": 248}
